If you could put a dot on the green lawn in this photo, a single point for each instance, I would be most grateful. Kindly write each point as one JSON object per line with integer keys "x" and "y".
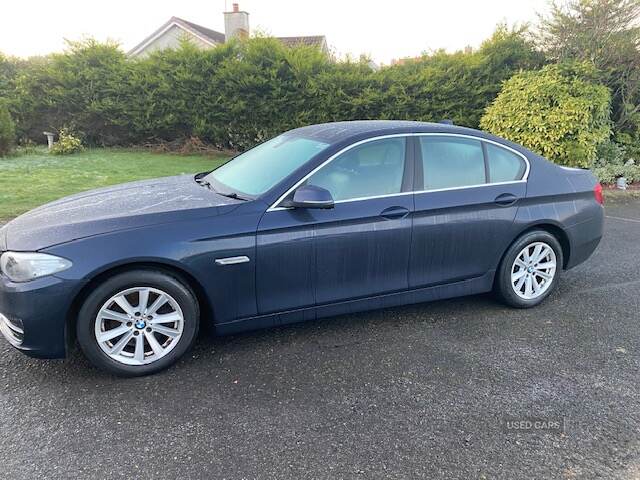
{"x": 27, "y": 181}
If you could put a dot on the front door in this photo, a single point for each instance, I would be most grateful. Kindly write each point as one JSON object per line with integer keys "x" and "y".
{"x": 359, "y": 248}
{"x": 362, "y": 248}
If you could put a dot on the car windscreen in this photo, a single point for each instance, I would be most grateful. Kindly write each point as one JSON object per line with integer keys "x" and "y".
{"x": 256, "y": 171}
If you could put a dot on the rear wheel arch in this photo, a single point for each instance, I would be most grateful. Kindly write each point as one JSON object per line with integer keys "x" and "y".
{"x": 206, "y": 310}
{"x": 552, "y": 229}
{"x": 534, "y": 235}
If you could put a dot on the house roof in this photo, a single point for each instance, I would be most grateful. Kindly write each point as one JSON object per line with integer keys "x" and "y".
{"x": 313, "y": 40}
{"x": 207, "y": 35}
{"x": 217, "y": 37}
{"x": 212, "y": 37}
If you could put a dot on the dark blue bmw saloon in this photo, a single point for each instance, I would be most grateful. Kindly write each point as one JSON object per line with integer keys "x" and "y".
{"x": 319, "y": 221}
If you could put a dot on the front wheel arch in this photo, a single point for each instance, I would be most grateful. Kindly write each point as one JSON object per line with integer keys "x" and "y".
{"x": 108, "y": 314}
{"x": 206, "y": 310}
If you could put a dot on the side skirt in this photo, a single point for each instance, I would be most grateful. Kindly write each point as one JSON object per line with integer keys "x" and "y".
{"x": 428, "y": 294}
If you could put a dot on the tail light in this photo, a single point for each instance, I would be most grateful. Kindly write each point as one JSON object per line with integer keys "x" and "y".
{"x": 597, "y": 192}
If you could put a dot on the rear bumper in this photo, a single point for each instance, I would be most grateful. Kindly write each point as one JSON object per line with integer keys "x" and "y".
{"x": 33, "y": 315}
{"x": 584, "y": 238}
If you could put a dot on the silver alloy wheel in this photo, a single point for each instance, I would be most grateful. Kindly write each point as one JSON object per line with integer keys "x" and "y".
{"x": 139, "y": 326}
{"x": 533, "y": 270}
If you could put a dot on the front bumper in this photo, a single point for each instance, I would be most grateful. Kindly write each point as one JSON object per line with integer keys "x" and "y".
{"x": 33, "y": 315}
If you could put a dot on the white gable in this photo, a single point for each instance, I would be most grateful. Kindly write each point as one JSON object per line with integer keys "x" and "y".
{"x": 170, "y": 37}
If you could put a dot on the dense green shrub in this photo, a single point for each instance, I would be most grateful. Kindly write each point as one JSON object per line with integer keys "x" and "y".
{"x": 8, "y": 72}
{"x": 87, "y": 86}
{"x": 456, "y": 86}
{"x": 612, "y": 162}
{"x": 7, "y": 130}
{"x": 558, "y": 111}
{"x": 242, "y": 92}
{"x": 607, "y": 34}
{"x": 610, "y": 153}
{"x": 630, "y": 143}
{"x": 67, "y": 143}
{"x": 608, "y": 174}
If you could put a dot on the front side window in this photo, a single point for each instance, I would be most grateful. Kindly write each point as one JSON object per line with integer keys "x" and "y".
{"x": 372, "y": 169}
{"x": 449, "y": 162}
{"x": 257, "y": 170}
{"x": 504, "y": 166}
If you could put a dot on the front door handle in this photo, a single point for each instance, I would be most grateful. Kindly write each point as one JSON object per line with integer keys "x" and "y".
{"x": 506, "y": 199}
{"x": 394, "y": 212}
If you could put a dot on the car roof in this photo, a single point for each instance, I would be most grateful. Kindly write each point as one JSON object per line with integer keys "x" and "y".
{"x": 338, "y": 132}
{"x": 346, "y": 132}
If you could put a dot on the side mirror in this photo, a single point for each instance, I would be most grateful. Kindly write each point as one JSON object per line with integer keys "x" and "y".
{"x": 310, "y": 196}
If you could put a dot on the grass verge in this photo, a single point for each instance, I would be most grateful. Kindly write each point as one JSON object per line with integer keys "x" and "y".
{"x": 29, "y": 180}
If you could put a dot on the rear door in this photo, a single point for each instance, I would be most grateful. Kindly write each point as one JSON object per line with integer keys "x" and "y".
{"x": 468, "y": 191}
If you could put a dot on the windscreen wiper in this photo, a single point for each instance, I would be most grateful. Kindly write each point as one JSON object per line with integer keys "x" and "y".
{"x": 201, "y": 181}
{"x": 205, "y": 183}
{"x": 233, "y": 195}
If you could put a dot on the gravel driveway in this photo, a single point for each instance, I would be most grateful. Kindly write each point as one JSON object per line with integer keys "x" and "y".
{"x": 413, "y": 392}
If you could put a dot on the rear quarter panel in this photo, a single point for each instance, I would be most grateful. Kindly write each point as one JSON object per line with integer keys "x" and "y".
{"x": 564, "y": 198}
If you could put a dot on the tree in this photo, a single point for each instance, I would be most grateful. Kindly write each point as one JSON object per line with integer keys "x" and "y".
{"x": 457, "y": 86}
{"x": 242, "y": 92}
{"x": 606, "y": 33}
{"x": 7, "y": 130}
{"x": 560, "y": 112}
{"x": 509, "y": 50}
{"x": 83, "y": 88}
{"x": 8, "y": 72}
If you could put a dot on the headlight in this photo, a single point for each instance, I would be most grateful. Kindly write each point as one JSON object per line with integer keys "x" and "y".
{"x": 23, "y": 266}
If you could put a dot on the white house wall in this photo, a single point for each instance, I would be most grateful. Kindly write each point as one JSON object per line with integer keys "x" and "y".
{"x": 171, "y": 39}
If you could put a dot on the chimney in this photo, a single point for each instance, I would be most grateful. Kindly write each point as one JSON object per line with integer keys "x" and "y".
{"x": 236, "y": 23}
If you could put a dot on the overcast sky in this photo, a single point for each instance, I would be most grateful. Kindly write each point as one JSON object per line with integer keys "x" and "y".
{"x": 382, "y": 29}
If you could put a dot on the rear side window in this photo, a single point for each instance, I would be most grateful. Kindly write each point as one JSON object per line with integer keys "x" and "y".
{"x": 504, "y": 166}
{"x": 449, "y": 162}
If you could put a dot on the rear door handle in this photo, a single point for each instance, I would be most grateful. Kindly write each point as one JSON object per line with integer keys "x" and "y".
{"x": 394, "y": 212}
{"x": 506, "y": 199}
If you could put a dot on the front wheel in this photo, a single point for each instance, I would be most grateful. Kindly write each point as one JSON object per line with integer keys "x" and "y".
{"x": 138, "y": 323}
{"x": 529, "y": 270}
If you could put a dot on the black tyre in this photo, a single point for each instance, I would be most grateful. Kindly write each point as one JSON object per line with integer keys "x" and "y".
{"x": 529, "y": 270}
{"x": 138, "y": 323}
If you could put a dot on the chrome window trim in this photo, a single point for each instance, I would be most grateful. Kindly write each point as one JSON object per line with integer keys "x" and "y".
{"x": 525, "y": 176}
{"x": 317, "y": 202}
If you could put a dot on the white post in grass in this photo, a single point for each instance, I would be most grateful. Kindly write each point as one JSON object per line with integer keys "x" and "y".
{"x": 49, "y": 138}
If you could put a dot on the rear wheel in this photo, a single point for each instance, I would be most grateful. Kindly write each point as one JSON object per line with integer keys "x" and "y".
{"x": 138, "y": 323}
{"x": 529, "y": 270}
